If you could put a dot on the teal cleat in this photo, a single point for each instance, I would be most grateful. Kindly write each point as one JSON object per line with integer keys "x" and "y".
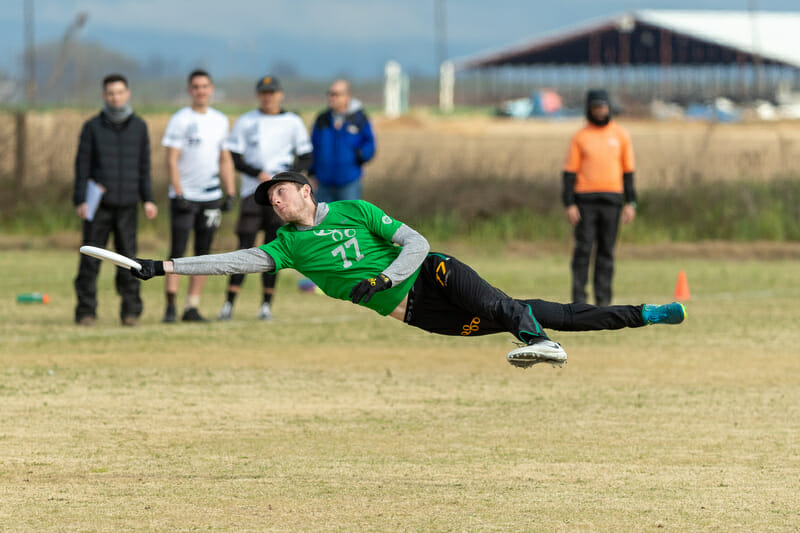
{"x": 673, "y": 313}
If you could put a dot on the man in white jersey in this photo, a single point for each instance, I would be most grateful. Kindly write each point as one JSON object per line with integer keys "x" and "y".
{"x": 354, "y": 251}
{"x": 263, "y": 142}
{"x": 199, "y": 168}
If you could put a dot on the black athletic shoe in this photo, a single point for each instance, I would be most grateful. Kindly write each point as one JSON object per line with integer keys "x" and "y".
{"x": 169, "y": 315}
{"x": 191, "y": 314}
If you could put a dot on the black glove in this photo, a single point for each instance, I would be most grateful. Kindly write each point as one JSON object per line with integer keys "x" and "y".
{"x": 228, "y": 203}
{"x": 366, "y": 288}
{"x": 182, "y": 205}
{"x": 149, "y": 269}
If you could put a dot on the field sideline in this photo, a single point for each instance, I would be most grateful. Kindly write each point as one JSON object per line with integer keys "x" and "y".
{"x": 332, "y": 418}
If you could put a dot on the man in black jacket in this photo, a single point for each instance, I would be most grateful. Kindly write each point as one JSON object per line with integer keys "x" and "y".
{"x": 113, "y": 158}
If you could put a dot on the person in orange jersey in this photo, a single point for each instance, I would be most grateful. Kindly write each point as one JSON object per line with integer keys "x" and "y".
{"x": 598, "y": 192}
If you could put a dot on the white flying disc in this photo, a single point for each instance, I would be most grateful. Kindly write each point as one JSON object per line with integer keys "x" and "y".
{"x": 108, "y": 255}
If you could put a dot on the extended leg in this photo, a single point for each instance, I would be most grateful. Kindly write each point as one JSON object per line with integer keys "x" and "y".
{"x": 585, "y": 317}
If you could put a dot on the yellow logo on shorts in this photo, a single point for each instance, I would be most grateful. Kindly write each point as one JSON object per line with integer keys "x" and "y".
{"x": 443, "y": 269}
{"x": 471, "y": 328}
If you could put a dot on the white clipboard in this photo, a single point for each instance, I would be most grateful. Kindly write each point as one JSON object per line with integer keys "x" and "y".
{"x": 94, "y": 193}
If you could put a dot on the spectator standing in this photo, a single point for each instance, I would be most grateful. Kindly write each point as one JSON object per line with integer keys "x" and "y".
{"x": 114, "y": 153}
{"x": 199, "y": 168}
{"x": 598, "y": 191}
{"x": 262, "y": 143}
{"x": 343, "y": 141}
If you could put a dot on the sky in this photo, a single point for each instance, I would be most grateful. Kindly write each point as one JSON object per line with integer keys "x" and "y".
{"x": 319, "y": 38}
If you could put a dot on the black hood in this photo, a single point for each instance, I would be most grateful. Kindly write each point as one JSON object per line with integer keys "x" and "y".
{"x": 596, "y": 96}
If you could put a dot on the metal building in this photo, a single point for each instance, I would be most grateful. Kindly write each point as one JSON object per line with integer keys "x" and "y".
{"x": 672, "y": 55}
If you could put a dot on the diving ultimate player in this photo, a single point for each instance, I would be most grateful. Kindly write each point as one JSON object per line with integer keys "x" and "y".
{"x": 348, "y": 249}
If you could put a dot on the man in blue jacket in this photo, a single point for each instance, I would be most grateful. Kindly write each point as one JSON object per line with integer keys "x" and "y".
{"x": 343, "y": 142}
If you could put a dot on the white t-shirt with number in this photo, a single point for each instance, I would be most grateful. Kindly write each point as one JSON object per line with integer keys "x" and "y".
{"x": 200, "y": 138}
{"x": 267, "y": 142}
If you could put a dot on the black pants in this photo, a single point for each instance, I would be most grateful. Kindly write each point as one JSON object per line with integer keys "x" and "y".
{"x": 252, "y": 219}
{"x": 599, "y": 224}
{"x": 121, "y": 221}
{"x": 450, "y": 298}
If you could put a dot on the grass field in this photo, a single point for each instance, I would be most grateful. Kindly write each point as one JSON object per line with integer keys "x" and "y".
{"x": 332, "y": 418}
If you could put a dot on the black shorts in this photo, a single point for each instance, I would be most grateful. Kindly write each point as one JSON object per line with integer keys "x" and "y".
{"x": 254, "y": 218}
{"x": 202, "y": 217}
{"x": 450, "y": 298}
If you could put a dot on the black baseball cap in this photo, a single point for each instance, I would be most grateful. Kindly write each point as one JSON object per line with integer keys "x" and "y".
{"x": 268, "y": 83}
{"x": 262, "y": 191}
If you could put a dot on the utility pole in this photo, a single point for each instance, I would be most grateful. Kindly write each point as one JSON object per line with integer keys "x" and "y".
{"x": 21, "y": 158}
{"x": 445, "y": 71}
{"x": 30, "y": 54}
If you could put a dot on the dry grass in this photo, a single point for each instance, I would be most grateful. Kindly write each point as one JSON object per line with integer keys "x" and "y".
{"x": 668, "y": 154}
{"x": 333, "y": 419}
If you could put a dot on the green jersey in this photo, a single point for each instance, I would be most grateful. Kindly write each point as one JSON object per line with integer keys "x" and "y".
{"x": 352, "y": 243}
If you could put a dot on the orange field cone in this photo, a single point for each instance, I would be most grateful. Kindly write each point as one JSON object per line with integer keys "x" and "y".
{"x": 682, "y": 287}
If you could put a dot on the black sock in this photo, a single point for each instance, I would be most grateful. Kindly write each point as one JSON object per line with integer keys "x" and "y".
{"x": 232, "y": 296}
{"x": 171, "y": 299}
{"x": 267, "y": 297}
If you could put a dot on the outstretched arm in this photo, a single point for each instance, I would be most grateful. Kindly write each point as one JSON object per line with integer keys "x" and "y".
{"x": 248, "y": 261}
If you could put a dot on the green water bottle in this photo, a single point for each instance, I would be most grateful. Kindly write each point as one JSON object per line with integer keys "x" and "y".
{"x": 33, "y": 298}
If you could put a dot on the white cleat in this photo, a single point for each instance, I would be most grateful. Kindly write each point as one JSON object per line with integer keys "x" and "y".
{"x": 226, "y": 313}
{"x": 538, "y": 351}
{"x": 265, "y": 313}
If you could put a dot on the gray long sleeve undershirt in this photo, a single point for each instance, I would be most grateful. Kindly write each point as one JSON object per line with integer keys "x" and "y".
{"x": 253, "y": 260}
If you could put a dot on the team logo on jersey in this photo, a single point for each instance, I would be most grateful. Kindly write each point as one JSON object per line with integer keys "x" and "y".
{"x": 386, "y": 219}
{"x": 336, "y": 234}
{"x": 352, "y": 129}
{"x": 472, "y": 327}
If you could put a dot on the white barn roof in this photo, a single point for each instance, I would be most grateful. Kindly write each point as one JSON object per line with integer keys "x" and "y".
{"x": 768, "y": 34}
